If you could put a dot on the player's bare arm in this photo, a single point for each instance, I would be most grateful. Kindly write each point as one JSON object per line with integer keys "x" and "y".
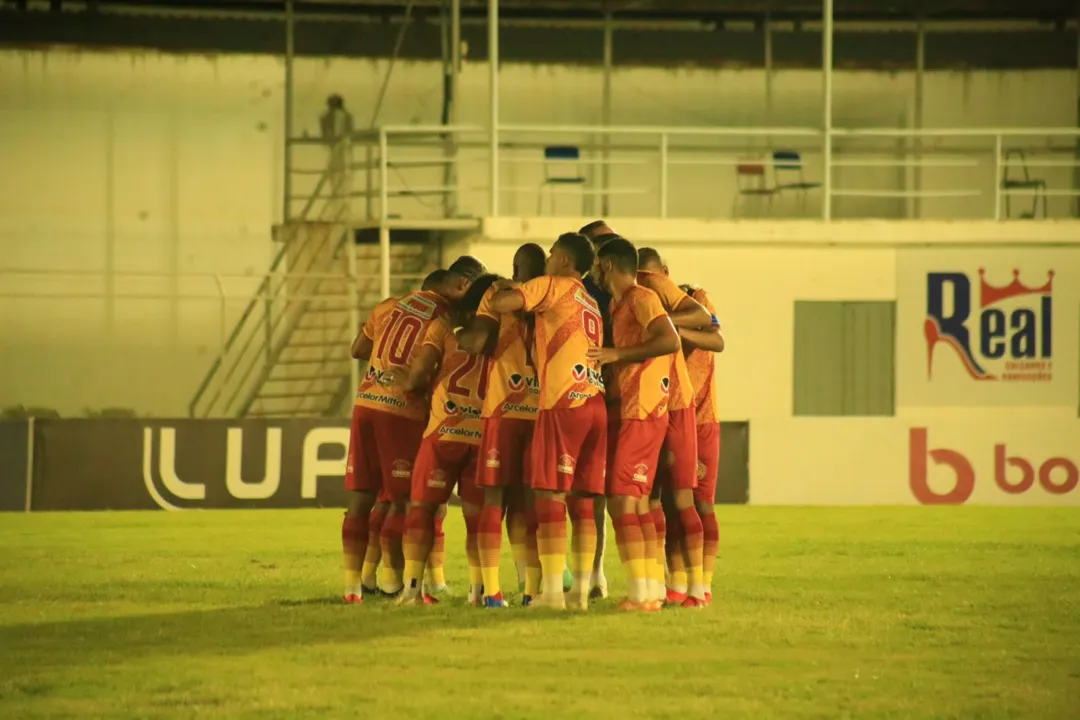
{"x": 710, "y": 339}
{"x": 690, "y": 314}
{"x": 507, "y": 300}
{"x": 362, "y": 346}
{"x": 479, "y": 335}
{"x": 420, "y": 373}
{"x": 661, "y": 339}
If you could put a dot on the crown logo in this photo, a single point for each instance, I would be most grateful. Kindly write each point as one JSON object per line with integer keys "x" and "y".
{"x": 989, "y": 294}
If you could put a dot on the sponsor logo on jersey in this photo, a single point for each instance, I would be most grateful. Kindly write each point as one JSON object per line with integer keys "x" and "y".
{"x": 665, "y": 385}
{"x": 417, "y": 304}
{"x": 436, "y": 479}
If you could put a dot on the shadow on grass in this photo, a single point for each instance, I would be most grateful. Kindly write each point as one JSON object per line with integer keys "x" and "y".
{"x": 280, "y": 623}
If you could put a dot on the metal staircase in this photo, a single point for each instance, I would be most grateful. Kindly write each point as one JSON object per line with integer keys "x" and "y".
{"x": 288, "y": 355}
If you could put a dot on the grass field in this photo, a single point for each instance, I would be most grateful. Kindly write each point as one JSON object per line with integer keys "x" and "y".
{"x": 919, "y": 612}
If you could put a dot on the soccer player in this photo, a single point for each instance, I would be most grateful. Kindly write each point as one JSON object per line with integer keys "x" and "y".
{"x": 447, "y": 457}
{"x": 600, "y": 232}
{"x": 643, "y": 338}
{"x": 699, "y": 346}
{"x": 678, "y": 468}
{"x": 568, "y": 451}
{"x": 511, "y": 402}
{"x": 387, "y": 424}
{"x": 376, "y": 539}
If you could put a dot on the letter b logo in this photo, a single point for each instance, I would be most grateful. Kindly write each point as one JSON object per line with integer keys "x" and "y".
{"x": 920, "y": 486}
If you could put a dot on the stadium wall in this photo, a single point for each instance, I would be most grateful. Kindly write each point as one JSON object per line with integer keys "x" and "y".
{"x": 120, "y": 161}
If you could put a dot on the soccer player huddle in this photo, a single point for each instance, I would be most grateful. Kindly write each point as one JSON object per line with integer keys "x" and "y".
{"x": 582, "y": 386}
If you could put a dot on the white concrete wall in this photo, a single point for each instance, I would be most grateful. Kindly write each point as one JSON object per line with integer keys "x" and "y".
{"x": 122, "y": 161}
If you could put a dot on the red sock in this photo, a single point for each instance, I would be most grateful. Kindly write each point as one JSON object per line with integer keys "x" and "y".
{"x": 533, "y": 571}
{"x": 393, "y": 559}
{"x": 354, "y": 538}
{"x": 419, "y": 536}
{"x": 551, "y": 541}
{"x": 438, "y": 551}
{"x": 489, "y": 542}
{"x": 711, "y": 546}
{"x": 374, "y": 547}
{"x": 583, "y": 541}
{"x": 693, "y": 542}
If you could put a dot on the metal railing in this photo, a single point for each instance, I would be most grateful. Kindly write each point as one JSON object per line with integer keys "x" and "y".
{"x": 673, "y": 171}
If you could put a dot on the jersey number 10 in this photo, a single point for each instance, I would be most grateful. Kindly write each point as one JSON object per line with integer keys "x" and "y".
{"x": 400, "y": 336}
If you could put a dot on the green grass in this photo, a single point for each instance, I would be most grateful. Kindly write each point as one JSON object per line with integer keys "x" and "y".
{"x": 919, "y": 612}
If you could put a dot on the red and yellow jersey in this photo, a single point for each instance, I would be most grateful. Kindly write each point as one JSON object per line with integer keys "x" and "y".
{"x": 642, "y": 388}
{"x": 702, "y": 367}
{"x": 397, "y": 327}
{"x": 682, "y": 389}
{"x": 568, "y": 324}
{"x": 512, "y": 388}
{"x": 457, "y": 393}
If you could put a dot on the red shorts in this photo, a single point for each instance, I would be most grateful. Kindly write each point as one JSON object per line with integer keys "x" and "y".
{"x": 633, "y": 450}
{"x": 440, "y": 467}
{"x": 679, "y": 458}
{"x": 382, "y": 448}
{"x": 708, "y": 466}
{"x": 504, "y": 452}
{"x": 569, "y": 448}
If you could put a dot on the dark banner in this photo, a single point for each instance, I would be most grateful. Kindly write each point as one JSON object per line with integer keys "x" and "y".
{"x": 180, "y": 464}
{"x": 186, "y": 464}
{"x": 733, "y": 485}
{"x": 13, "y": 461}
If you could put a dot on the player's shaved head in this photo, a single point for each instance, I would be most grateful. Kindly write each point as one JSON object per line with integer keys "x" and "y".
{"x": 578, "y": 249}
{"x": 622, "y": 255}
{"x": 468, "y": 267}
{"x": 435, "y": 279}
{"x": 529, "y": 262}
{"x": 649, "y": 259}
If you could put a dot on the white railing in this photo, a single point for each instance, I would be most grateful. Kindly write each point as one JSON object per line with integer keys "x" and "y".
{"x": 437, "y": 171}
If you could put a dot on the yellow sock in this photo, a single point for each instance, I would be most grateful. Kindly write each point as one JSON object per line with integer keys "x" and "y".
{"x": 532, "y": 580}
{"x": 414, "y": 576}
{"x": 370, "y": 575}
{"x": 679, "y": 581}
{"x": 437, "y": 575}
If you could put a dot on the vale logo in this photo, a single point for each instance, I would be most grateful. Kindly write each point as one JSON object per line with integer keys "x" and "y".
{"x": 999, "y": 332}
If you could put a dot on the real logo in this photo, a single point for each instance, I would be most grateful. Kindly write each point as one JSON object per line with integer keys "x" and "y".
{"x": 701, "y": 471}
{"x": 579, "y": 373}
{"x": 401, "y": 469}
{"x": 565, "y": 465}
{"x": 450, "y": 407}
{"x": 1007, "y": 336}
{"x": 516, "y": 382}
{"x": 492, "y": 460}
{"x": 641, "y": 473}
{"x": 665, "y": 385}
